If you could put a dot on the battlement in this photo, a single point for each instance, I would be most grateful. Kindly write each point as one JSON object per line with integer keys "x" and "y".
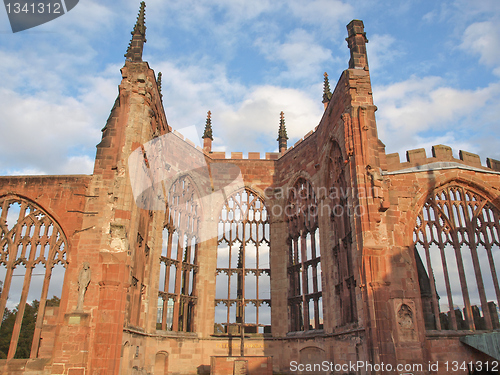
{"x": 234, "y": 155}
{"x": 440, "y": 153}
{"x": 239, "y": 155}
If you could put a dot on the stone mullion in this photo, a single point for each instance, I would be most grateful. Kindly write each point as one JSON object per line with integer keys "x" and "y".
{"x": 177, "y": 288}
{"x": 491, "y": 261}
{"x": 20, "y": 311}
{"x": 167, "y": 280}
{"x": 5, "y": 208}
{"x": 45, "y": 289}
{"x": 243, "y": 267}
{"x": 164, "y": 313}
{"x": 313, "y": 243}
{"x": 463, "y": 281}
{"x": 41, "y": 310}
{"x": 167, "y": 276}
{"x": 257, "y": 261}
{"x": 453, "y": 240}
{"x": 445, "y": 270}
{"x": 257, "y": 276}
{"x": 493, "y": 272}
{"x": 12, "y": 250}
{"x": 194, "y": 269}
{"x": 6, "y": 288}
{"x": 305, "y": 289}
{"x": 456, "y": 246}
{"x": 185, "y": 309}
{"x": 461, "y": 269}
{"x": 316, "y": 313}
{"x": 315, "y": 279}
{"x": 435, "y": 306}
{"x": 165, "y": 301}
{"x": 477, "y": 272}
{"x": 448, "y": 290}
{"x": 441, "y": 246}
{"x": 230, "y": 273}
{"x": 291, "y": 284}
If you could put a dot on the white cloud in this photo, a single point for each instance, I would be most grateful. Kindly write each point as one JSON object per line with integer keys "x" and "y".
{"x": 327, "y": 13}
{"x": 46, "y": 132}
{"x": 299, "y": 53}
{"x": 409, "y": 109}
{"x": 483, "y": 39}
{"x": 255, "y": 122}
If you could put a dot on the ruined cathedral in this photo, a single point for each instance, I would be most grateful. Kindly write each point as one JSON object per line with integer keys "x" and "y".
{"x": 327, "y": 257}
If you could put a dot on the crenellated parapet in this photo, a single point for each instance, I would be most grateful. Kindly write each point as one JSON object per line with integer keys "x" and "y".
{"x": 443, "y": 155}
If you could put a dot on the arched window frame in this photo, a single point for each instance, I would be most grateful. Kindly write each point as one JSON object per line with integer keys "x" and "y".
{"x": 304, "y": 258}
{"x": 177, "y": 296}
{"x": 341, "y": 237}
{"x": 457, "y": 224}
{"x": 26, "y": 243}
{"x": 243, "y": 220}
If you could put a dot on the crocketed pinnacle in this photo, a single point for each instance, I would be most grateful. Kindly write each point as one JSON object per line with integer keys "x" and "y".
{"x": 282, "y": 137}
{"x": 327, "y": 94}
{"x": 134, "y": 51}
{"x": 208, "y": 127}
{"x": 158, "y": 83}
{"x": 282, "y": 129}
{"x": 140, "y": 25}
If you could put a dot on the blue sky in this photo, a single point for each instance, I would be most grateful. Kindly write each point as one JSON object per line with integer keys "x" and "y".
{"x": 435, "y": 70}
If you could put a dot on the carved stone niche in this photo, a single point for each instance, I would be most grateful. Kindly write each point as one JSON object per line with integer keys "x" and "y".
{"x": 404, "y": 311}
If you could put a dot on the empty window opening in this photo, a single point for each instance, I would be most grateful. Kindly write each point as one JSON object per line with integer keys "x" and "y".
{"x": 243, "y": 274}
{"x": 456, "y": 247}
{"x": 32, "y": 269}
{"x": 178, "y": 262}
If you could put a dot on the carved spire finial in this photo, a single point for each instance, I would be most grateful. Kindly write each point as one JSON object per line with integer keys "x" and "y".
{"x": 158, "y": 83}
{"x": 207, "y": 134}
{"x": 208, "y": 127}
{"x": 282, "y": 136}
{"x": 327, "y": 94}
{"x": 134, "y": 51}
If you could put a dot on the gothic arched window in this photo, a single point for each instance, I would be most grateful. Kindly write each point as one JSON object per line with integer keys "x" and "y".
{"x": 178, "y": 261}
{"x": 243, "y": 274}
{"x": 304, "y": 259}
{"x": 32, "y": 254}
{"x": 456, "y": 241}
{"x": 344, "y": 281}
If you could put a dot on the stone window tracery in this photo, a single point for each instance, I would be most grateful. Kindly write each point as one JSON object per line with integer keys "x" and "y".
{"x": 456, "y": 242}
{"x": 304, "y": 259}
{"x": 178, "y": 262}
{"x": 243, "y": 272}
{"x": 32, "y": 254}
{"x": 344, "y": 280}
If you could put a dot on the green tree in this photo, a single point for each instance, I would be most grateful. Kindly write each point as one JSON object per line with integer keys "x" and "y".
{"x": 27, "y": 328}
{"x": 9, "y": 317}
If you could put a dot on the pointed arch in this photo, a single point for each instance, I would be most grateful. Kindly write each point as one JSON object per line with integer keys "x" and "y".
{"x": 243, "y": 270}
{"x": 457, "y": 256}
{"x": 305, "y": 297}
{"x": 340, "y": 228}
{"x": 177, "y": 295}
{"x": 30, "y": 238}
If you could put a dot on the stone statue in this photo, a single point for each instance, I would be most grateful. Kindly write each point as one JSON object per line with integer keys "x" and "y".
{"x": 83, "y": 283}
